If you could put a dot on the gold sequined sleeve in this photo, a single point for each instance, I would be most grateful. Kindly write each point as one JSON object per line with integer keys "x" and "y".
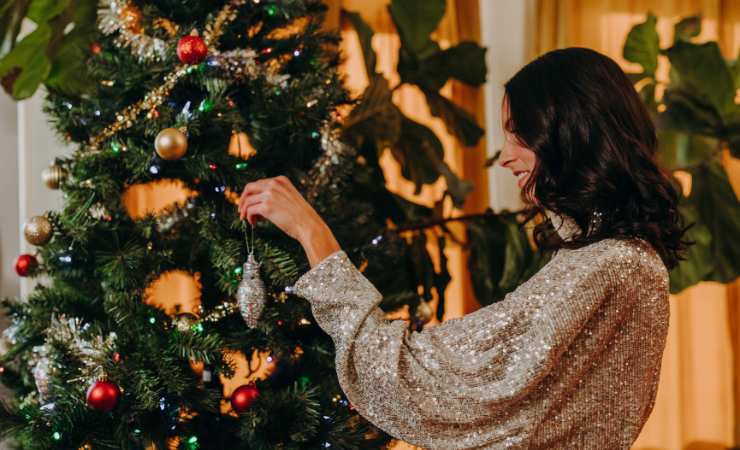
{"x": 464, "y": 382}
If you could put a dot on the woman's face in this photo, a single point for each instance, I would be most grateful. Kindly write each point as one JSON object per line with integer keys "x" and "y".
{"x": 520, "y": 160}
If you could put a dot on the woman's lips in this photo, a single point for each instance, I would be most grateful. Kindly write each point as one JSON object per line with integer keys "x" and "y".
{"x": 522, "y": 177}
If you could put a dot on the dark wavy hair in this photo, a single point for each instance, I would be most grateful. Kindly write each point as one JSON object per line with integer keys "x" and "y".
{"x": 595, "y": 144}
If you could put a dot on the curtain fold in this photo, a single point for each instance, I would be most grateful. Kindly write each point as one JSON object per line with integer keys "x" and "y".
{"x": 699, "y": 393}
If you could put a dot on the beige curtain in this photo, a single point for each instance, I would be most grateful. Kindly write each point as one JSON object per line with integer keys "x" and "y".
{"x": 698, "y": 397}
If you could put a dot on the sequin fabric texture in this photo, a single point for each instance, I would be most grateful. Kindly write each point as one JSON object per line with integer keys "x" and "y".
{"x": 568, "y": 360}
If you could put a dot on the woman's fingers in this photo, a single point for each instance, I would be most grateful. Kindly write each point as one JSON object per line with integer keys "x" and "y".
{"x": 253, "y": 187}
{"x": 266, "y": 185}
{"x": 277, "y": 200}
{"x": 250, "y": 189}
{"x": 263, "y": 192}
{"x": 256, "y": 211}
{"x": 266, "y": 198}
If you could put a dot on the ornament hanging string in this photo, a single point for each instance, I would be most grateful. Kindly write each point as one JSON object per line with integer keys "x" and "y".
{"x": 250, "y": 248}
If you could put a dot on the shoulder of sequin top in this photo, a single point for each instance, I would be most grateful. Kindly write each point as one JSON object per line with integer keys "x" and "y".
{"x": 638, "y": 253}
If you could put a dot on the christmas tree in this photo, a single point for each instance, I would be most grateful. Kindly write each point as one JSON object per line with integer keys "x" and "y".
{"x": 213, "y": 94}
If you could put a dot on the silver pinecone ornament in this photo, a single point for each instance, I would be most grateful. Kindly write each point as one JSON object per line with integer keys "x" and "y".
{"x": 250, "y": 296}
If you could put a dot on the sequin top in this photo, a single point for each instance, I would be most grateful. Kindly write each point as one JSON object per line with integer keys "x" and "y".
{"x": 568, "y": 360}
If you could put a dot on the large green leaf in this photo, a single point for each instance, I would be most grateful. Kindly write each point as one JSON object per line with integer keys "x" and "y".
{"x": 703, "y": 70}
{"x": 12, "y": 13}
{"x": 642, "y": 45}
{"x": 714, "y": 210}
{"x": 500, "y": 256}
{"x": 421, "y": 156}
{"x": 29, "y": 61}
{"x": 417, "y": 151}
{"x": 55, "y": 52}
{"x": 42, "y": 11}
{"x": 459, "y": 122}
{"x": 365, "y": 34}
{"x": 718, "y": 209}
{"x": 687, "y": 111}
{"x": 687, "y": 28}
{"x": 465, "y": 61}
{"x": 68, "y": 73}
{"x": 699, "y": 262}
{"x": 376, "y": 117}
{"x": 418, "y": 139}
{"x": 679, "y": 150}
{"x": 415, "y": 20}
{"x": 426, "y": 73}
{"x": 486, "y": 238}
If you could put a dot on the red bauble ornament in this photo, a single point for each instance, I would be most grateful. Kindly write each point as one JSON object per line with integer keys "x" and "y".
{"x": 103, "y": 395}
{"x": 95, "y": 48}
{"x": 25, "y": 264}
{"x": 191, "y": 49}
{"x": 243, "y": 397}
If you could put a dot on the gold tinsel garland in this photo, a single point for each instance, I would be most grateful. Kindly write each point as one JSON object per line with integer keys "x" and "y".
{"x": 124, "y": 17}
{"x": 125, "y": 118}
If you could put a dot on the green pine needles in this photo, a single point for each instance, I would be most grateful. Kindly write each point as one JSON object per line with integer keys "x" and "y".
{"x": 270, "y": 71}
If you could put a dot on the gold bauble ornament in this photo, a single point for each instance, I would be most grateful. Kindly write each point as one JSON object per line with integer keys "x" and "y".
{"x": 184, "y": 322}
{"x": 53, "y": 176}
{"x": 37, "y": 230}
{"x": 131, "y": 18}
{"x": 171, "y": 144}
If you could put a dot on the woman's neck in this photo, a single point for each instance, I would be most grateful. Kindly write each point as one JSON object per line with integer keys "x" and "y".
{"x": 567, "y": 227}
{"x": 563, "y": 224}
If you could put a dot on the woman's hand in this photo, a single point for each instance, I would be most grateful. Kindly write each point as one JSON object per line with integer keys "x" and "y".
{"x": 277, "y": 200}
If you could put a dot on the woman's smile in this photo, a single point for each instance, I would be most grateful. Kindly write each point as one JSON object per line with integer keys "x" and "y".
{"x": 521, "y": 176}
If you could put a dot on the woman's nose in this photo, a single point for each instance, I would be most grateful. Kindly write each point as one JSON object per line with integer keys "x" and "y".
{"x": 504, "y": 157}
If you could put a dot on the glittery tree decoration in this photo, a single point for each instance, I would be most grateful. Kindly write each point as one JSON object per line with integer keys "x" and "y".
{"x": 251, "y": 292}
{"x": 124, "y": 18}
{"x": 69, "y": 336}
{"x": 126, "y": 117}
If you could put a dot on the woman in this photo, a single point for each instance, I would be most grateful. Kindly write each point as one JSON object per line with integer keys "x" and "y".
{"x": 571, "y": 358}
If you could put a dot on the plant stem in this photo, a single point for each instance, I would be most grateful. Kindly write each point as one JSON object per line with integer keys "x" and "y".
{"x": 436, "y": 222}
